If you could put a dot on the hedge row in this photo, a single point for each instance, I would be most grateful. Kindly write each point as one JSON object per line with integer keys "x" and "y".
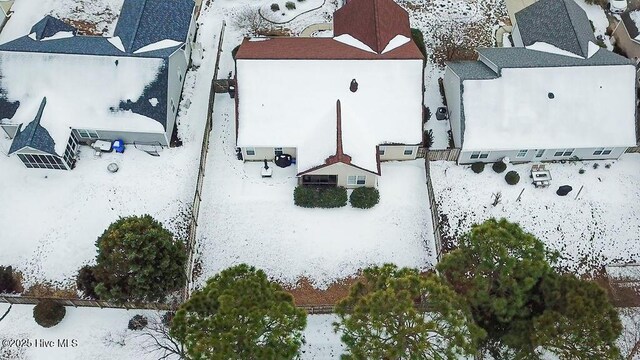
{"x": 322, "y": 197}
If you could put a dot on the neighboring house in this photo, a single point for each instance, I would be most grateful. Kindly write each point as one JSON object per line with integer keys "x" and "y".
{"x": 626, "y": 34}
{"x": 555, "y": 96}
{"x": 59, "y": 89}
{"x": 5, "y": 12}
{"x": 338, "y": 105}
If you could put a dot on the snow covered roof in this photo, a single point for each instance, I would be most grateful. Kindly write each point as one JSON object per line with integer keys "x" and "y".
{"x": 292, "y": 103}
{"x": 373, "y": 22}
{"x": 106, "y": 94}
{"x": 561, "y": 23}
{"x": 145, "y": 22}
{"x": 551, "y": 108}
{"x": 49, "y": 26}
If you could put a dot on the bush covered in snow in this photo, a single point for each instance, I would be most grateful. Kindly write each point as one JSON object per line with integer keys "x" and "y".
{"x": 48, "y": 313}
{"x": 275, "y": 7}
{"x": 322, "y": 197}
{"x": 512, "y": 177}
{"x": 364, "y": 197}
{"x": 477, "y": 167}
{"x": 290, "y": 5}
{"x": 138, "y": 322}
{"x": 151, "y": 254}
{"x": 428, "y": 138}
{"x": 8, "y": 281}
{"x": 499, "y": 166}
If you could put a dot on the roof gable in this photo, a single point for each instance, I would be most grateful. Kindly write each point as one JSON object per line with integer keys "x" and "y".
{"x": 561, "y": 23}
{"x": 144, "y": 22}
{"x": 373, "y": 22}
{"x": 34, "y": 135}
{"x": 49, "y": 26}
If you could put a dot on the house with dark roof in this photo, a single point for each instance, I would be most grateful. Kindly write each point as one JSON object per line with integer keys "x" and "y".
{"x": 337, "y": 105}
{"x": 626, "y": 34}
{"x": 556, "y": 95}
{"x": 59, "y": 89}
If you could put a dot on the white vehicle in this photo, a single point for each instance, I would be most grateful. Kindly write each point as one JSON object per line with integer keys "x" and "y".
{"x": 617, "y": 6}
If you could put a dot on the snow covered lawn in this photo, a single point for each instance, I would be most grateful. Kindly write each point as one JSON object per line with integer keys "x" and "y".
{"x": 601, "y": 227}
{"x": 103, "y": 334}
{"x": 247, "y": 219}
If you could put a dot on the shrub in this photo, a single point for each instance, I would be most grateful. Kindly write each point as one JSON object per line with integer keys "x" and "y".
{"x": 138, "y": 322}
{"x": 418, "y": 38}
{"x": 428, "y": 138}
{"x": 364, "y": 197}
{"x": 48, "y": 313}
{"x": 512, "y": 177}
{"x": 581, "y": 171}
{"x": 290, "y": 5}
{"x": 322, "y": 197}
{"x": 607, "y": 166}
{"x": 426, "y": 115}
{"x": 452, "y": 143}
{"x": 595, "y": 165}
{"x": 275, "y": 7}
{"x": 86, "y": 282}
{"x": 153, "y": 265}
{"x": 477, "y": 167}
{"x": 234, "y": 52}
{"x": 8, "y": 281}
{"x": 441, "y": 88}
{"x": 499, "y": 166}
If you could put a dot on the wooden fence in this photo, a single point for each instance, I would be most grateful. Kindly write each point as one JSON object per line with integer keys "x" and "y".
{"x": 446, "y": 155}
{"x": 435, "y": 217}
{"x": 197, "y": 197}
{"x": 32, "y": 300}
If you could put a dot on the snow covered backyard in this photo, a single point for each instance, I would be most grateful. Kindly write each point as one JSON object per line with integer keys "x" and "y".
{"x": 247, "y": 219}
{"x": 103, "y": 334}
{"x": 600, "y": 227}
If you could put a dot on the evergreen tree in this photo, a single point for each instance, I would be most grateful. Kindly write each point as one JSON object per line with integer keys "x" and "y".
{"x": 384, "y": 317}
{"x": 523, "y": 304}
{"x": 240, "y": 314}
{"x": 138, "y": 260}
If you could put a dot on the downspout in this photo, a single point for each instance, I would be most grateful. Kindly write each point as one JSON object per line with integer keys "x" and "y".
{"x": 504, "y": 29}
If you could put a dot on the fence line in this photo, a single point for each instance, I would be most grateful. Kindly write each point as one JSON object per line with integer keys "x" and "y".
{"x": 446, "y": 154}
{"x": 32, "y": 300}
{"x": 197, "y": 197}
{"x": 433, "y": 206}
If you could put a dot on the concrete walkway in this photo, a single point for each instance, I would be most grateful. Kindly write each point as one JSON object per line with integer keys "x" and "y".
{"x": 315, "y": 28}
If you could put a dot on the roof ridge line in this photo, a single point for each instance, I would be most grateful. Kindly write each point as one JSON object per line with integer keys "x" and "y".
{"x": 37, "y": 118}
{"x": 135, "y": 31}
{"x": 377, "y": 28}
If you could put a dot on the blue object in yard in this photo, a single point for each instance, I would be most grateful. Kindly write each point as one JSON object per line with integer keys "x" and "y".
{"x": 293, "y": 160}
{"x": 118, "y": 146}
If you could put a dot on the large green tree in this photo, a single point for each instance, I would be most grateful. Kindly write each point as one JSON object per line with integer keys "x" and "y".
{"x": 240, "y": 314}
{"x": 138, "y": 260}
{"x": 400, "y": 314}
{"x": 522, "y": 303}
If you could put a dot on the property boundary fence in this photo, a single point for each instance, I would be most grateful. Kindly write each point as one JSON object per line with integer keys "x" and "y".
{"x": 435, "y": 217}
{"x": 446, "y": 154}
{"x": 197, "y": 197}
{"x": 32, "y": 300}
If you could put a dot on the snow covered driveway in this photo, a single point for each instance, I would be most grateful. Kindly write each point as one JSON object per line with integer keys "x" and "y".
{"x": 247, "y": 219}
{"x": 600, "y": 227}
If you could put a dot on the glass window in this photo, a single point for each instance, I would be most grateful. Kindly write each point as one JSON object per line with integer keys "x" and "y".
{"x": 277, "y": 151}
{"x": 598, "y": 151}
{"x": 351, "y": 180}
{"x": 173, "y": 107}
{"x": 484, "y": 155}
{"x": 251, "y": 151}
{"x": 558, "y": 153}
{"x": 361, "y": 180}
{"x": 88, "y": 134}
{"x": 408, "y": 150}
{"x": 475, "y": 154}
{"x": 607, "y": 151}
{"x": 568, "y": 152}
{"x": 539, "y": 153}
{"x": 522, "y": 153}
{"x": 381, "y": 150}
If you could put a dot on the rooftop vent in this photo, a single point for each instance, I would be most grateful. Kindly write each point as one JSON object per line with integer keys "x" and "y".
{"x": 550, "y": 95}
{"x": 354, "y": 86}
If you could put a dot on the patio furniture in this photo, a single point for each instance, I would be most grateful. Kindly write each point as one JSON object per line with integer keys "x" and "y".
{"x": 540, "y": 175}
{"x": 564, "y": 190}
{"x": 283, "y": 160}
{"x": 102, "y": 145}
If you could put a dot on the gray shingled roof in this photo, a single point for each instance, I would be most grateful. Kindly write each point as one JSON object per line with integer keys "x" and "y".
{"x": 561, "y": 23}
{"x": 34, "y": 135}
{"x": 632, "y": 29}
{"x": 525, "y": 58}
{"x": 471, "y": 70}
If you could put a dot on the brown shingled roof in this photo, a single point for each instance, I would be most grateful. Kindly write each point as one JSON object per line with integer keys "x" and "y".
{"x": 318, "y": 49}
{"x": 374, "y": 22}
